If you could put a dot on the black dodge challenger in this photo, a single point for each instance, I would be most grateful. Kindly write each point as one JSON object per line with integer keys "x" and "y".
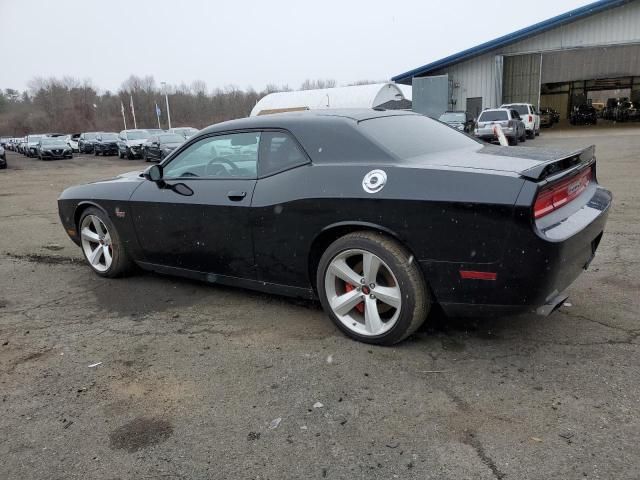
{"x": 379, "y": 214}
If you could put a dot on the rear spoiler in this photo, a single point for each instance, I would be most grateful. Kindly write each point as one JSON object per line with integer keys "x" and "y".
{"x": 572, "y": 161}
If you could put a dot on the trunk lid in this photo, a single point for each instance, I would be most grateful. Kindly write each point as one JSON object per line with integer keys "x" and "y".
{"x": 533, "y": 163}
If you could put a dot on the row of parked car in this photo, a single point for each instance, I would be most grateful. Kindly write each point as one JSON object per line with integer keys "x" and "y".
{"x": 150, "y": 144}
{"x": 517, "y": 121}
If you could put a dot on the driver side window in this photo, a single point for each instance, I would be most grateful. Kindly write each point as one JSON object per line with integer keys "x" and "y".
{"x": 233, "y": 155}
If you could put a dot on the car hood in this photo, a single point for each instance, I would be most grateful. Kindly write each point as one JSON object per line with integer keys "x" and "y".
{"x": 135, "y": 176}
{"x": 172, "y": 145}
{"x": 525, "y": 161}
{"x": 135, "y": 143}
{"x": 55, "y": 147}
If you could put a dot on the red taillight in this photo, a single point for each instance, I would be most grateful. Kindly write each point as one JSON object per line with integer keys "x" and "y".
{"x": 556, "y": 196}
{"x": 530, "y": 118}
{"x": 474, "y": 275}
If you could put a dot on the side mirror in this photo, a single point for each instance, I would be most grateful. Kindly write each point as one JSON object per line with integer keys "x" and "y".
{"x": 153, "y": 173}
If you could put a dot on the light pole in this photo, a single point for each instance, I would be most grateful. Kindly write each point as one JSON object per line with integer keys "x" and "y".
{"x": 166, "y": 98}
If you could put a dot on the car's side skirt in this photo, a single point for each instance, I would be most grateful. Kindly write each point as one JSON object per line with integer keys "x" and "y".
{"x": 247, "y": 283}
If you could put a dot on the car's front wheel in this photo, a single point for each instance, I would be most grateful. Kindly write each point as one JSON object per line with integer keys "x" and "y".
{"x": 101, "y": 244}
{"x": 372, "y": 288}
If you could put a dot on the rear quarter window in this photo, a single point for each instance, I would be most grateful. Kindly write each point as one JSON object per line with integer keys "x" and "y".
{"x": 407, "y": 136}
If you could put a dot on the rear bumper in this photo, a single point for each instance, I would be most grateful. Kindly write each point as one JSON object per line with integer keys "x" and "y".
{"x": 489, "y": 136}
{"x": 535, "y": 271}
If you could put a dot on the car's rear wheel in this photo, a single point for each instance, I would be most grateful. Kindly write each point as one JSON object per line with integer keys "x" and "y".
{"x": 101, "y": 244}
{"x": 513, "y": 141}
{"x": 372, "y": 289}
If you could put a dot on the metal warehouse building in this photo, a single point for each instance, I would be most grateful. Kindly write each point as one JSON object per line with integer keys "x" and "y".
{"x": 588, "y": 55}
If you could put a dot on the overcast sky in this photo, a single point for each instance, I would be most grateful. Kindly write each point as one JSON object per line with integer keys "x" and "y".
{"x": 246, "y": 43}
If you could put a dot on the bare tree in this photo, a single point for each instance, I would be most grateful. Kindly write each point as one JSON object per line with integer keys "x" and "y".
{"x": 309, "y": 84}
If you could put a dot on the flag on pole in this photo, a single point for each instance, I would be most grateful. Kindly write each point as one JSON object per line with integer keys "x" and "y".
{"x": 133, "y": 112}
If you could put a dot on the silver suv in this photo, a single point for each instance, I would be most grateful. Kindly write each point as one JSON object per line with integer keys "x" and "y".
{"x": 529, "y": 115}
{"x": 509, "y": 121}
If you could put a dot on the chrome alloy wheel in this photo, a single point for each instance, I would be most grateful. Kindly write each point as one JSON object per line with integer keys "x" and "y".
{"x": 96, "y": 243}
{"x": 363, "y": 292}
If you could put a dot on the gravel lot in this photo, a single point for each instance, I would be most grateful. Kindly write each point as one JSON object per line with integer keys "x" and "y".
{"x": 194, "y": 377}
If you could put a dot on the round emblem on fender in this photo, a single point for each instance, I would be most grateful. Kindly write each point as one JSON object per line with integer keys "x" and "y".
{"x": 374, "y": 181}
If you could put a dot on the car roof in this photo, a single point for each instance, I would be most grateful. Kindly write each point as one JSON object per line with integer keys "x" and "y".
{"x": 495, "y": 110}
{"x": 285, "y": 119}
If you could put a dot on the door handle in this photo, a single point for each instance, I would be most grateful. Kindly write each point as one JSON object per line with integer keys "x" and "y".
{"x": 236, "y": 196}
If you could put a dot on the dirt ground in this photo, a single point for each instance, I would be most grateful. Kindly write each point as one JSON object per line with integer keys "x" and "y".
{"x": 199, "y": 381}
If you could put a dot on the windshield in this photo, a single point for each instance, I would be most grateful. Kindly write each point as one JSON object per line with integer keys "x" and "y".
{"x": 493, "y": 116}
{"x": 407, "y": 136}
{"x": 34, "y": 138}
{"x": 136, "y": 135}
{"x": 109, "y": 136}
{"x": 453, "y": 117}
{"x": 90, "y": 136}
{"x": 171, "y": 138}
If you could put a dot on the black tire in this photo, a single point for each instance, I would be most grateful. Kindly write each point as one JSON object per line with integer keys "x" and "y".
{"x": 531, "y": 135}
{"x": 538, "y": 132}
{"x": 523, "y": 138}
{"x": 120, "y": 155}
{"x": 513, "y": 141}
{"x": 121, "y": 264}
{"x": 415, "y": 296}
{"x": 145, "y": 156}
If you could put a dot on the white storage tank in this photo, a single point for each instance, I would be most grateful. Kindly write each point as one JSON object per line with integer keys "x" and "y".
{"x": 382, "y": 95}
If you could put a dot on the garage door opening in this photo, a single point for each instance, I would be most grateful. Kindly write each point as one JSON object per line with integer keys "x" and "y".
{"x": 614, "y": 99}
{"x": 606, "y": 79}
